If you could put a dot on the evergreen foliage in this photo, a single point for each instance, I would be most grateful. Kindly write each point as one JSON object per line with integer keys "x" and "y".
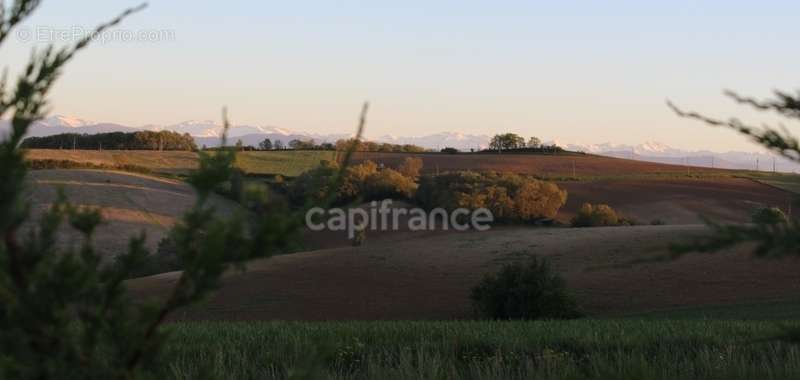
{"x": 530, "y": 290}
{"x": 773, "y": 235}
{"x": 63, "y": 313}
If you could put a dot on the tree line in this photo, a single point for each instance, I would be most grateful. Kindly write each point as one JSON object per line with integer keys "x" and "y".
{"x": 142, "y": 140}
{"x": 341, "y": 144}
{"x": 515, "y": 142}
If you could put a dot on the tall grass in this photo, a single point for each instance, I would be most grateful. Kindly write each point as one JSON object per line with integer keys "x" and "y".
{"x": 612, "y": 349}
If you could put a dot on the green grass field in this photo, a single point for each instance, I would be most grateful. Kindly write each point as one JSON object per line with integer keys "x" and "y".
{"x": 285, "y": 163}
{"x": 772, "y": 310}
{"x": 580, "y": 349}
{"x": 785, "y": 181}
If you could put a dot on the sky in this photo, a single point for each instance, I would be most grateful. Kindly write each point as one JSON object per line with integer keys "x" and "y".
{"x": 574, "y": 71}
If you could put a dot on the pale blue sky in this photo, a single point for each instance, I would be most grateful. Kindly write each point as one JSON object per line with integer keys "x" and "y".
{"x": 578, "y": 71}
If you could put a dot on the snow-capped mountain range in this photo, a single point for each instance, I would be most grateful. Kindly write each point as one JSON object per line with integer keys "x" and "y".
{"x": 208, "y": 133}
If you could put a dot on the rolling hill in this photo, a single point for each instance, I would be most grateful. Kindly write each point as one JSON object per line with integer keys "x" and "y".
{"x": 404, "y": 275}
{"x": 131, "y": 203}
{"x": 430, "y": 278}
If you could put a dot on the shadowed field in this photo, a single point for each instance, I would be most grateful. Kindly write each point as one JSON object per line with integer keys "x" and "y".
{"x": 404, "y": 275}
{"x": 543, "y": 165}
{"x": 130, "y": 203}
{"x": 677, "y": 201}
{"x": 430, "y": 278}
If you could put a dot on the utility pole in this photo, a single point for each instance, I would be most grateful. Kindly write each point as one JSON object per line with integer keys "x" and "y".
{"x": 757, "y": 164}
{"x": 686, "y": 162}
{"x": 573, "y": 170}
{"x": 773, "y": 165}
{"x": 712, "y": 162}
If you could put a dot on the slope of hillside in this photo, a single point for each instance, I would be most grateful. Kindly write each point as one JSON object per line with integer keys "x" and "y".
{"x": 130, "y": 203}
{"x": 677, "y": 201}
{"x": 168, "y": 162}
{"x": 430, "y": 278}
{"x": 544, "y": 165}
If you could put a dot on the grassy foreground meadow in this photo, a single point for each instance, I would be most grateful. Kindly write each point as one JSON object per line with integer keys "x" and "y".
{"x": 579, "y": 349}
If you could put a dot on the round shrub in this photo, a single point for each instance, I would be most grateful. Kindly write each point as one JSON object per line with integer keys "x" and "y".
{"x": 313, "y": 185}
{"x": 388, "y": 183}
{"x": 596, "y": 216}
{"x": 529, "y": 290}
{"x": 410, "y": 167}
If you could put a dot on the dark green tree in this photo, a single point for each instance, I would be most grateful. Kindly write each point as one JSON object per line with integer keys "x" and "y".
{"x": 524, "y": 290}
{"x": 506, "y": 141}
{"x": 64, "y": 314}
{"x": 265, "y": 145}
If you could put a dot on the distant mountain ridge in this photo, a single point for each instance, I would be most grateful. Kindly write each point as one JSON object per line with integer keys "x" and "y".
{"x": 662, "y": 153}
{"x": 208, "y": 133}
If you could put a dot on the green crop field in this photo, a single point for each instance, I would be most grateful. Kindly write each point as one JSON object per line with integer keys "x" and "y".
{"x": 286, "y": 163}
{"x": 580, "y": 349}
{"x": 771, "y": 310}
{"x": 785, "y": 181}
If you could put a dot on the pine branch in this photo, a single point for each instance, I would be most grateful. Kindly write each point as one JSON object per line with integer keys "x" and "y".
{"x": 786, "y": 104}
{"x": 780, "y": 141}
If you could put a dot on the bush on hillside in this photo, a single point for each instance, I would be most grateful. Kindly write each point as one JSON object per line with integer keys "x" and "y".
{"x": 510, "y": 197}
{"x": 769, "y": 216}
{"x": 354, "y": 180}
{"x": 600, "y": 215}
{"x": 312, "y": 185}
{"x": 595, "y": 216}
{"x": 529, "y": 290}
{"x": 364, "y": 181}
{"x": 410, "y": 167}
{"x": 388, "y": 184}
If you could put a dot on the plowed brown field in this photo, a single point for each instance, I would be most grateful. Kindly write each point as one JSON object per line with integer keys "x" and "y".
{"x": 430, "y": 278}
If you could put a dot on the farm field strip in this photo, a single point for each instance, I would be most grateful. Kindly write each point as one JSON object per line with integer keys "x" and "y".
{"x": 292, "y": 163}
{"x": 579, "y": 349}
